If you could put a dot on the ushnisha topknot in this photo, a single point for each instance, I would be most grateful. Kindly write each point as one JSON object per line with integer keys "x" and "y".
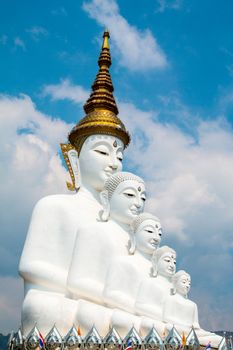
{"x": 114, "y": 180}
{"x": 143, "y": 217}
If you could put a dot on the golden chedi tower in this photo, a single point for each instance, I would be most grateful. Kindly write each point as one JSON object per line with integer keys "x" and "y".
{"x": 100, "y": 108}
{"x": 101, "y": 116}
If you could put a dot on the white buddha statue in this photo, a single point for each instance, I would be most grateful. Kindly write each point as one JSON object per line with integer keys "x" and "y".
{"x": 182, "y": 313}
{"x": 125, "y": 273}
{"x": 99, "y": 243}
{"x": 153, "y": 290}
{"x": 100, "y": 138}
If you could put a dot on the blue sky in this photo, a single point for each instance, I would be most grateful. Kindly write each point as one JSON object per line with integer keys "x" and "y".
{"x": 173, "y": 76}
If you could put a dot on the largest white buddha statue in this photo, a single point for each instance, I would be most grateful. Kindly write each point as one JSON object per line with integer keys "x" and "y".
{"x": 100, "y": 138}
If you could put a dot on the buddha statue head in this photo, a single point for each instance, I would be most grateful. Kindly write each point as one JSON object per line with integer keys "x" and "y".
{"x": 123, "y": 197}
{"x": 100, "y": 157}
{"x": 146, "y": 232}
{"x": 181, "y": 283}
{"x": 164, "y": 262}
{"x": 100, "y": 137}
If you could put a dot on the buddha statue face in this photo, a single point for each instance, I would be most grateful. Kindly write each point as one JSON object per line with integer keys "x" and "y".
{"x": 100, "y": 157}
{"x": 127, "y": 201}
{"x": 123, "y": 197}
{"x": 148, "y": 236}
{"x": 166, "y": 265}
{"x": 182, "y": 283}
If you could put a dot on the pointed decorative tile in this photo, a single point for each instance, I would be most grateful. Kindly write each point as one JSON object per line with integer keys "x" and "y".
{"x": 173, "y": 340}
{"x": 223, "y": 344}
{"x": 72, "y": 340}
{"x": 153, "y": 341}
{"x": 192, "y": 340}
{"x": 32, "y": 340}
{"x": 112, "y": 340}
{"x": 53, "y": 340}
{"x": 134, "y": 337}
{"x": 18, "y": 340}
{"x": 93, "y": 340}
{"x": 10, "y": 342}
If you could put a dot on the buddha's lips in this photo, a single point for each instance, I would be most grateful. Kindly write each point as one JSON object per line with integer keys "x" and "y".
{"x": 135, "y": 211}
{"x": 154, "y": 242}
{"x": 171, "y": 269}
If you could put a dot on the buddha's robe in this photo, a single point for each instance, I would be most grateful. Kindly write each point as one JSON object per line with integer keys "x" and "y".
{"x": 183, "y": 314}
{"x": 151, "y": 295}
{"x": 123, "y": 278}
{"x": 47, "y": 254}
{"x": 95, "y": 248}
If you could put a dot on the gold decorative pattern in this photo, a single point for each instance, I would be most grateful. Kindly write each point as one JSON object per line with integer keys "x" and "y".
{"x": 101, "y": 109}
{"x": 65, "y": 148}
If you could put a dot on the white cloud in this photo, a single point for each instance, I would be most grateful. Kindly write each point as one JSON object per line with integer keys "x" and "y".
{"x": 30, "y": 169}
{"x": 18, "y": 42}
{"x": 37, "y": 32}
{"x": 164, "y": 5}
{"x": 138, "y": 50}
{"x": 11, "y": 297}
{"x": 66, "y": 90}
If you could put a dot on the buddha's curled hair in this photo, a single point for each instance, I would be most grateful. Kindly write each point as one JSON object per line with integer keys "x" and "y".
{"x": 114, "y": 180}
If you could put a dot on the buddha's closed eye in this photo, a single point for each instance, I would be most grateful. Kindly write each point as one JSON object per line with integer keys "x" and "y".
{"x": 150, "y": 231}
{"x": 102, "y": 152}
{"x": 129, "y": 194}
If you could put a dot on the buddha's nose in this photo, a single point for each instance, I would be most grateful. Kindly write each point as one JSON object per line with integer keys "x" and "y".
{"x": 113, "y": 163}
{"x": 138, "y": 203}
{"x": 113, "y": 166}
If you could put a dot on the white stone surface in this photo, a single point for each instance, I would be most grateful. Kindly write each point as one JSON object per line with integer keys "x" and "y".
{"x": 182, "y": 313}
{"x": 54, "y": 224}
{"x": 153, "y": 290}
{"x": 99, "y": 244}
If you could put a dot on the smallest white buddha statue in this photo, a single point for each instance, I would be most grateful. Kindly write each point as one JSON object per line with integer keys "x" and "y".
{"x": 154, "y": 290}
{"x": 182, "y": 313}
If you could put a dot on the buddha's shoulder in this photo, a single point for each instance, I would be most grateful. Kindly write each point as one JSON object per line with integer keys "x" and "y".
{"x": 95, "y": 227}
{"x": 56, "y": 201}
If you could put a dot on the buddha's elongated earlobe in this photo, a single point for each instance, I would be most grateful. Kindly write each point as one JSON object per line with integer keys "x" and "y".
{"x": 132, "y": 241}
{"x": 154, "y": 270}
{"x": 132, "y": 244}
{"x": 173, "y": 291}
{"x": 104, "y": 215}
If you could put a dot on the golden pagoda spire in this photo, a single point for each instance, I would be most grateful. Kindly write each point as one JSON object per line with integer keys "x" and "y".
{"x": 102, "y": 95}
{"x": 100, "y": 108}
